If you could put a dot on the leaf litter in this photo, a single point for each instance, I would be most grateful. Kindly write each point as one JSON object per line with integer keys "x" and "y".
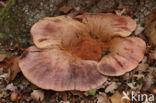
{"x": 14, "y": 87}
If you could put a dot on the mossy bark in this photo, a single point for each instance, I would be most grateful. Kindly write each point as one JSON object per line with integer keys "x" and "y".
{"x": 18, "y": 16}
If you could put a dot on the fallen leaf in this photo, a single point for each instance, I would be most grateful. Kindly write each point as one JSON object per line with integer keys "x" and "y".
{"x": 152, "y": 55}
{"x": 91, "y": 92}
{"x": 4, "y": 76}
{"x": 11, "y": 87}
{"x": 132, "y": 85}
{"x": 151, "y": 17}
{"x": 1, "y": 94}
{"x": 117, "y": 98}
{"x": 139, "y": 76}
{"x": 37, "y": 95}
{"x": 143, "y": 66}
{"x": 63, "y": 96}
{"x": 120, "y": 12}
{"x": 65, "y": 9}
{"x": 148, "y": 81}
{"x": 139, "y": 29}
{"x": 154, "y": 91}
{"x": 64, "y": 102}
{"x": 150, "y": 29}
{"x": 12, "y": 67}
{"x": 102, "y": 98}
{"x": 2, "y": 56}
{"x": 111, "y": 87}
{"x": 13, "y": 96}
{"x": 2, "y": 3}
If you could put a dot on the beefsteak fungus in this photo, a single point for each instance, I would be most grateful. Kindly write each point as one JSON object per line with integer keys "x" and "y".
{"x": 77, "y": 53}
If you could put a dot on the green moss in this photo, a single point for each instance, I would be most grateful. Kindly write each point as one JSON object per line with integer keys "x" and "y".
{"x": 18, "y": 16}
{"x": 4, "y": 12}
{"x": 5, "y": 18}
{"x": 12, "y": 23}
{"x": 4, "y": 15}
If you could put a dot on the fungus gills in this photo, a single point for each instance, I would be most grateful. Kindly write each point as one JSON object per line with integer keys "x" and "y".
{"x": 89, "y": 49}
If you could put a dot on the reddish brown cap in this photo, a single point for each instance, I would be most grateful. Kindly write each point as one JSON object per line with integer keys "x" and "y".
{"x": 106, "y": 26}
{"x": 62, "y": 30}
{"x": 59, "y": 70}
{"x": 126, "y": 53}
{"x": 53, "y": 63}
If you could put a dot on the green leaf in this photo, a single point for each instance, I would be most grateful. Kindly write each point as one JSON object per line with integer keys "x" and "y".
{"x": 139, "y": 81}
{"x": 106, "y": 52}
{"x": 131, "y": 85}
{"x": 92, "y": 92}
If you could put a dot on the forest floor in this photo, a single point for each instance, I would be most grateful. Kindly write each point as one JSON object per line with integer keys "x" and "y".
{"x": 15, "y": 88}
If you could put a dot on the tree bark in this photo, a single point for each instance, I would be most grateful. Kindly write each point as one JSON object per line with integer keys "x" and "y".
{"x": 18, "y": 16}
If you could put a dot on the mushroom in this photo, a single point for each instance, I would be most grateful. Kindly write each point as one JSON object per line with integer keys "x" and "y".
{"x": 126, "y": 53}
{"x": 68, "y": 51}
{"x": 106, "y": 26}
{"x": 62, "y": 30}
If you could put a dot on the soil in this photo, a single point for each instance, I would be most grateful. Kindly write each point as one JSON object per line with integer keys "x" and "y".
{"x": 15, "y": 23}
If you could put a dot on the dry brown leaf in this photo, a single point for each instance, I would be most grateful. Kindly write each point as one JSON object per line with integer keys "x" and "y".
{"x": 154, "y": 91}
{"x": 65, "y": 9}
{"x": 139, "y": 29}
{"x": 150, "y": 29}
{"x": 10, "y": 66}
{"x": 13, "y": 67}
{"x": 111, "y": 87}
{"x": 148, "y": 82}
{"x": 11, "y": 87}
{"x": 13, "y": 96}
{"x": 117, "y": 98}
{"x": 2, "y": 3}
{"x": 1, "y": 94}
{"x": 63, "y": 96}
{"x": 37, "y": 95}
{"x": 2, "y": 56}
{"x": 102, "y": 98}
{"x": 152, "y": 55}
{"x": 151, "y": 17}
{"x": 143, "y": 66}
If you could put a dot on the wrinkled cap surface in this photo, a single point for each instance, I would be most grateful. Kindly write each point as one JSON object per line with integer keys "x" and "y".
{"x": 106, "y": 26}
{"x": 68, "y": 51}
{"x": 62, "y": 30}
{"x": 58, "y": 70}
{"x": 125, "y": 55}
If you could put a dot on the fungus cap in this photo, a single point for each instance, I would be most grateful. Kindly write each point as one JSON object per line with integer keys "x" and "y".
{"x": 58, "y": 70}
{"x": 106, "y": 26}
{"x": 61, "y": 30}
{"x": 126, "y": 53}
{"x": 67, "y": 51}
